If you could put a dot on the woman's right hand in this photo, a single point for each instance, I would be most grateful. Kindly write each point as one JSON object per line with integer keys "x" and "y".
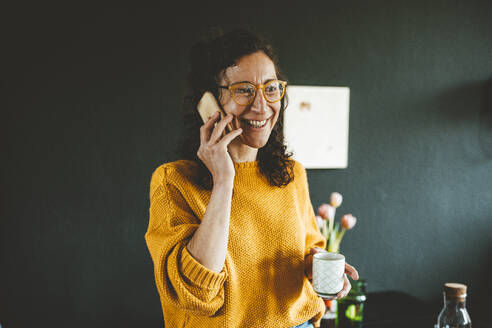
{"x": 213, "y": 147}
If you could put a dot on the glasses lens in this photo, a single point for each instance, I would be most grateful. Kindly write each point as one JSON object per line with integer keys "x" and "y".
{"x": 243, "y": 93}
{"x": 274, "y": 91}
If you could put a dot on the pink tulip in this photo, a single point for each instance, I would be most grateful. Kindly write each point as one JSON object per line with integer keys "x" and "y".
{"x": 335, "y": 199}
{"x": 348, "y": 221}
{"x": 326, "y": 211}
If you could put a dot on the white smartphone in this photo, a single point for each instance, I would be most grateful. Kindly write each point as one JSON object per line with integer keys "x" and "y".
{"x": 207, "y": 106}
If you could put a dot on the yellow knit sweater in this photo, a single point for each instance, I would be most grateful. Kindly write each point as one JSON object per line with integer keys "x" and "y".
{"x": 262, "y": 283}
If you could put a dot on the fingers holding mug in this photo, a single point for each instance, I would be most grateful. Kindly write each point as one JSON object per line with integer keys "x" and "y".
{"x": 346, "y": 287}
{"x": 351, "y": 271}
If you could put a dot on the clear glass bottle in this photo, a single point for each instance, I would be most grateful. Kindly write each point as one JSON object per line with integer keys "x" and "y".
{"x": 454, "y": 314}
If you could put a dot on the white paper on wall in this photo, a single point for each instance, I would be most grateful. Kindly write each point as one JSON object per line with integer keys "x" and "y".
{"x": 316, "y": 125}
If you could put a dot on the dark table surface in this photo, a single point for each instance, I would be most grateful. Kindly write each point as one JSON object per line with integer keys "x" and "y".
{"x": 396, "y": 310}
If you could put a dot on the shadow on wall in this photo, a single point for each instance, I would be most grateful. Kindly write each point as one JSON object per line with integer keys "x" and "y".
{"x": 470, "y": 106}
{"x": 478, "y": 303}
{"x": 485, "y": 130}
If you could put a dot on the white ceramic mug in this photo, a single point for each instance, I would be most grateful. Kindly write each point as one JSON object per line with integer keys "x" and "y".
{"x": 328, "y": 273}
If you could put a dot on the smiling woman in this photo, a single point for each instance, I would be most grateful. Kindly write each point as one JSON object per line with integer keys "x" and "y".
{"x": 235, "y": 67}
{"x": 231, "y": 228}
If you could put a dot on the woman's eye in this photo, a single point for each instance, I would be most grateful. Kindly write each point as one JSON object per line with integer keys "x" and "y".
{"x": 244, "y": 91}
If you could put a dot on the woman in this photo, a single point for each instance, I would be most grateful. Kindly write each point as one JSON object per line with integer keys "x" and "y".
{"x": 232, "y": 228}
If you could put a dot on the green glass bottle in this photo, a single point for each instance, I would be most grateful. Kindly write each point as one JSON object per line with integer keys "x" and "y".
{"x": 350, "y": 309}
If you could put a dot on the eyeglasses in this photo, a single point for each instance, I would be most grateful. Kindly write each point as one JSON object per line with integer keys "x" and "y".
{"x": 244, "y": 93}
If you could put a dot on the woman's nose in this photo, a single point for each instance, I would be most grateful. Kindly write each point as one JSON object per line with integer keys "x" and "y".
{"x": 259, "y": 103}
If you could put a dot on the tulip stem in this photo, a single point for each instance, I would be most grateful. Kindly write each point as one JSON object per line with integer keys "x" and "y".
{"x": 340, "y": 236}
{"x": 332, "y": 221}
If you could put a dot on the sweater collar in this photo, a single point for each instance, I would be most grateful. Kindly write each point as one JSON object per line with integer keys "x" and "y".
{"x": 245, "y": 165}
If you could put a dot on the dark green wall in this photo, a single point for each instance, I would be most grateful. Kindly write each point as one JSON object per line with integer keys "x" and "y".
{"x": 90, "y": 107}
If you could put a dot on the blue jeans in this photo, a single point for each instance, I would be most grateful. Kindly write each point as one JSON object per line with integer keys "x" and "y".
{"x": 305, "y": 325}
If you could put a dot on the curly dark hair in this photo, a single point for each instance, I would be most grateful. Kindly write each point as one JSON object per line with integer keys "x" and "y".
{"x": 209, "y": 59}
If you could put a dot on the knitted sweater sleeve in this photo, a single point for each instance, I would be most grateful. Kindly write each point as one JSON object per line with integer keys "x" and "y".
{"x": 181, "y": 281}
{"x": 314, "y": 238}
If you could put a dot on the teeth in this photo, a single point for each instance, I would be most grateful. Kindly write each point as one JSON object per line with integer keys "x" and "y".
{"x": 257, "y": 123}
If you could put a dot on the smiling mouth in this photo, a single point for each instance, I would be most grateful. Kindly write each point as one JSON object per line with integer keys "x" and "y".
{"x": 256, "y": 124}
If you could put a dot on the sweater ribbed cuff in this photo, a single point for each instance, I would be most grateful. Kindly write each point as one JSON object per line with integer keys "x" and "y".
{"x": 200, "y": 275}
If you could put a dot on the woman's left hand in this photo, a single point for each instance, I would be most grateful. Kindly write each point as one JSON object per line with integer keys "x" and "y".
{"x": 350, "y": 270}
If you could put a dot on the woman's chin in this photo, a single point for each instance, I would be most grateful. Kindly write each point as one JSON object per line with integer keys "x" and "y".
{"x": 254, "y": 142}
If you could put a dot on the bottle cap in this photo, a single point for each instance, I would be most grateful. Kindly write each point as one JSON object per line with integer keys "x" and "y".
{"x": 455, "y": 290}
